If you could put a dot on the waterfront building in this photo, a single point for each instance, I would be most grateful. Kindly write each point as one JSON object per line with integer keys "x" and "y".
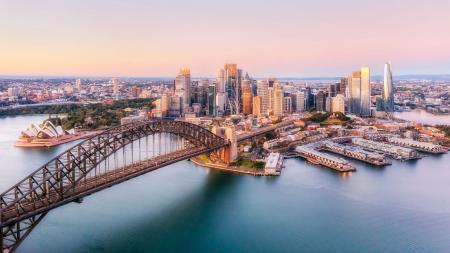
{"x": 263, "y": 94}
{"x": 256, "y": 110}
{"x": 392, "y": 150}
{"x": 183, "y": 88}
{"x": 246, "y": 97}
{"x": 273, "y": 164}
{"x": 338, "y": 103}
{"x": 388, "y": 89}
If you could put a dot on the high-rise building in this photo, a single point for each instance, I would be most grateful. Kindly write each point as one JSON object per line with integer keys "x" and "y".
{"x": 388, "y": 89}
{"x": 78, "y": 84}
{"x": 278, "y": 95}
{"x": 355, "y": 93}
{"x": 360, "y": 92}
{"x": 183, "y": 88}
{"x": 246, "y": 97}
{"x": 231, "y": 78}
{"x": 300, "y": 101}
{"x": 343, "y": 87}
{"x": 211, "y": 106}
{"x": 321, "y": 101}
{"x": 287, "y": 104}
{"x": 338, "y": 103}
{"x": 115, "y": 82}
{"x": 221, "y": 102}
{"x": 366, "y": 92}
{"x": 256, "y": 106}
{"x": 263, "y": 93}
{"x": 220, "y": 80}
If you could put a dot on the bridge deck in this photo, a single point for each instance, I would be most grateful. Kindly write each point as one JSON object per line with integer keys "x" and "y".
{"x": 94, "y": 184}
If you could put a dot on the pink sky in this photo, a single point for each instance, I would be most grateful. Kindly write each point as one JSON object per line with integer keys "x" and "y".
{"x": 265, "y": 38}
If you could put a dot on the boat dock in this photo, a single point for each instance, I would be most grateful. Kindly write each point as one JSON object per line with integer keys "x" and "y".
{"x": 355, "y": 153}
{"x": 312, "y": 155}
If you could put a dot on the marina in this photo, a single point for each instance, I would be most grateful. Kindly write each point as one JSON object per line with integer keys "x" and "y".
{"x": 418, "y": 145}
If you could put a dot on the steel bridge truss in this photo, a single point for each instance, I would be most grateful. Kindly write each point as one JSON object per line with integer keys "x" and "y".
{"x": 109, "y": 158}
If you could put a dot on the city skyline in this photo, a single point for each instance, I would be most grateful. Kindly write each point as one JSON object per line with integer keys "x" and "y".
{"x": 142, "y": 39}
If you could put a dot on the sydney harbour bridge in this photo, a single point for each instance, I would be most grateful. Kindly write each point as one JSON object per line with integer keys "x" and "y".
{"x": 108, "y": 158}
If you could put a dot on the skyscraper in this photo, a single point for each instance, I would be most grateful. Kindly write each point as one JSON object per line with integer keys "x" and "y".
{"x": 256, "y": 106}
{"x": 300, "y": 101}
{"x": 232, "y": 77}
{"x": 321, "y": 101}
{"x": 183, "y": 88}
{"x": 116, "y": 89}
{"x": 211, "y": 105}
{"x": 388, "y": 91}
{"x": 263, "y": 93}
{"x": 355, "y": 93}
{"x": 246, "y": 97}
{"x": 278, "y": 95}
{"x": 338, "y": 103}
{"x": 366, "y": 92}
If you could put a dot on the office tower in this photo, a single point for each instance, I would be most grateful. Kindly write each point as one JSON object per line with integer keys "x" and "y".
{"x": 355, "y": 93}
{"x": 211, "y": 107}
{"x": 199, "y": 94}
{"x": 277, "y": 98}
{"x": 116, "y": 89}
{"x": 300, "y": 101}
{"x": 338, "y": 103}
{"x": 220, "y": 81}
{"x": 310, "y": 98}
{"x": 328, "y": 103}
{"x": 366, "y": 92}
{"x": 321, "y": 101}
{"x": 78, "y": 84}
{"x": 343, "y": 87}
{"x": 263, "y": 93}
{"x": 221, "y": 102}
{"x": 332, "y": 90}
{"x": 230, "y": 78}
{"x": 388, "y": 91}
{"x": 287, "y": 104}
{"x": 175, "y": 105}
{"x": 246, "y": 97}
{"x": 183, "y": 88}
{"x": 256, "y": 106}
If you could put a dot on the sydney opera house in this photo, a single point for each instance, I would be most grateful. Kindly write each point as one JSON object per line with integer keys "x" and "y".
{"x": 46, "y": 135}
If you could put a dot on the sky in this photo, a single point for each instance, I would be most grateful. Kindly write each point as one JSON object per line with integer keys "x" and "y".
{"x": 266, "y": 38}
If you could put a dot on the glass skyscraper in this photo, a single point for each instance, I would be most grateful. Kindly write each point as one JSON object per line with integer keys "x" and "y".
{"x": 388, "y": 91}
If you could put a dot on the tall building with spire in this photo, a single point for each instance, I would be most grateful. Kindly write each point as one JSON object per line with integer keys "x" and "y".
{"x": 388, "y": 89}
{"x": 183, "y": 88}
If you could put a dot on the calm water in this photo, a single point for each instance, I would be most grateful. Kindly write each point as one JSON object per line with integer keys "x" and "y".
{"x": 184, "y": 208}
{"x": 424, "y": 117}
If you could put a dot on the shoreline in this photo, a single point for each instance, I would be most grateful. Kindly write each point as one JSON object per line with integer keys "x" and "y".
{"x": 247, "y": 171}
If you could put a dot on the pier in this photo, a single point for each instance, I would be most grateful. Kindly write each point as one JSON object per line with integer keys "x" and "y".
{"x": 355, "y": 153}
{"x": 418, "y": 145}
{"x": 312, "y": 155}
{"x": 396, "y": 152}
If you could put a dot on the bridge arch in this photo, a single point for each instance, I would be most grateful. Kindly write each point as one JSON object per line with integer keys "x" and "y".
{"x": 77, "y": 172}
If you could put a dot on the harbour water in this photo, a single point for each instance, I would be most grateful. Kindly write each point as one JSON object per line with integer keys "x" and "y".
{"x": 404, "y": 207}
{"x": 424, "y": 117}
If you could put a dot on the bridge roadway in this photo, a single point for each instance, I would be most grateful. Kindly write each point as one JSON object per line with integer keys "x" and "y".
{"x": 94, "y": 184}
{"x": 264, "y": 130}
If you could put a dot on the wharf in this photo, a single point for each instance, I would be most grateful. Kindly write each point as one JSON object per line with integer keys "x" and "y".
{"x": 311, "y": 155}
{"x": 248, "y": 171}
{"x": 355, "y": 153}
